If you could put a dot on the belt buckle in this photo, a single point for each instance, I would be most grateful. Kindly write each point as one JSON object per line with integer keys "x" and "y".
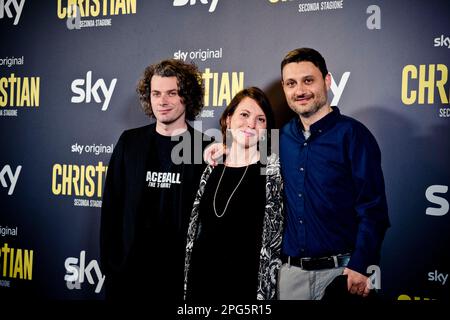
{"x": 304, "y": 260}
{"x": 301, "y": 262}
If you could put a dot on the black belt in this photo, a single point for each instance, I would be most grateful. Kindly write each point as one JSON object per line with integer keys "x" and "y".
{"x": 340, "y": 260}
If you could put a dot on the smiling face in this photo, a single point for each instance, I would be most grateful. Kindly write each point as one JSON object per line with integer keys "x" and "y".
{"x": 246, "y": 123}
{"x": 305, "y": 88}
{"x": 167, "y": 106}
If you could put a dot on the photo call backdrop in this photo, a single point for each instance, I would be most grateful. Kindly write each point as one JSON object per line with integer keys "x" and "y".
{"x": 68, "y": 73}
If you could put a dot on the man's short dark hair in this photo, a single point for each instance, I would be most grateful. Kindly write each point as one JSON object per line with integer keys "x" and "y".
{"x": 306, "y": 54}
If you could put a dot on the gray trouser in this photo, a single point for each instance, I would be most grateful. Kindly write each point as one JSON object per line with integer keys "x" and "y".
{"x": 298, "y": 284}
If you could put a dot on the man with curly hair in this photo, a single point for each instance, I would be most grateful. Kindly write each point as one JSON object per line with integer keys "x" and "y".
{"x": 150, "y": 188}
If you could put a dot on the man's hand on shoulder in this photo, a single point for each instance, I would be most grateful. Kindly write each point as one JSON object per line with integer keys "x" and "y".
{"x": 213, "y": 153}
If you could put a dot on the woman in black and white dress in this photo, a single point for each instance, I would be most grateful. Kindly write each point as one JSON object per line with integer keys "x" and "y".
{"x": 234, "y": 235}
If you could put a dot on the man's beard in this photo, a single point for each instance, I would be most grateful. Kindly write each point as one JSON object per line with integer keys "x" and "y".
{"x": 316, "y": 107}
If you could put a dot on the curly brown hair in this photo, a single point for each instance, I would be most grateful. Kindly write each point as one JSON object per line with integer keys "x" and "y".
{"x": 190, "y": 85}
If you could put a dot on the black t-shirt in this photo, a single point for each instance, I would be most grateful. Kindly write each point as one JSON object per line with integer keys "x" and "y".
{"x": 225, "y": 257}
{"x": 164, "y": 214}
{"x": 162, "y": 183}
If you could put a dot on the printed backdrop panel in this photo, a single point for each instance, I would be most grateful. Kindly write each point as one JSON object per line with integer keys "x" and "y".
{"x": 67, "y": 90}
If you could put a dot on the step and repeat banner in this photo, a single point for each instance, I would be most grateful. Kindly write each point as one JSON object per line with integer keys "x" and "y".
{"x": 68, "y": 73}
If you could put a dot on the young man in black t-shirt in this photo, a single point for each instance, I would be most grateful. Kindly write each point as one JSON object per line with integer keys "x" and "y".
{"x": 150, "y": 186}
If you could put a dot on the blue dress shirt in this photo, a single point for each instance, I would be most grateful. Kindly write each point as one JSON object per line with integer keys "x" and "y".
{"x": 334, "y": 191}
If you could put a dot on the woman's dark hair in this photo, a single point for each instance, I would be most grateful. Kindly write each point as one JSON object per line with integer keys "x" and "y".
{"x": 260, "y": 98}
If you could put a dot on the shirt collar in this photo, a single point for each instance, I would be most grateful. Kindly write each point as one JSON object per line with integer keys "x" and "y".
{"x": 323, "y": 124}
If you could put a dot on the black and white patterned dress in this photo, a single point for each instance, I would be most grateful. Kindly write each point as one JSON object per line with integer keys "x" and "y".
{"x": 236, "y": 256}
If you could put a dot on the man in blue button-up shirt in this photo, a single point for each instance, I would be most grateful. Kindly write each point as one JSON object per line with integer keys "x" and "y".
{"x": 335, "y": 200}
